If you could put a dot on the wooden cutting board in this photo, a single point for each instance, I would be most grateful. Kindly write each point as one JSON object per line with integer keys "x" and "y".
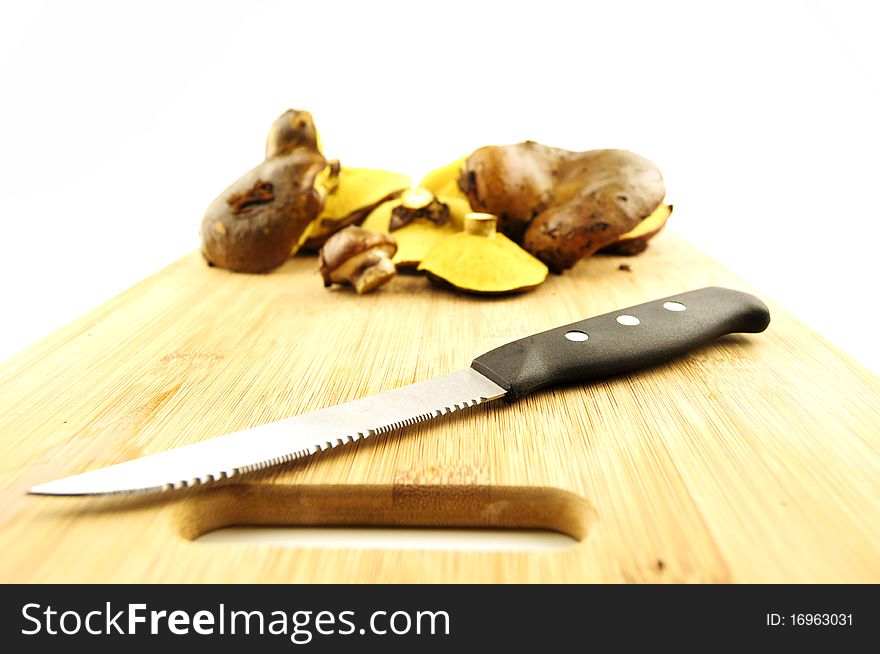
{"x": 755, "y": 459}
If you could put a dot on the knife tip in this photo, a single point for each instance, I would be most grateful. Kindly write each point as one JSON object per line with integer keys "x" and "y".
{"x": 49, "y": 488}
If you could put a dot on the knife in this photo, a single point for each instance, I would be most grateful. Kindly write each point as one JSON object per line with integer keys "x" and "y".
{"x": 597, "y": 347}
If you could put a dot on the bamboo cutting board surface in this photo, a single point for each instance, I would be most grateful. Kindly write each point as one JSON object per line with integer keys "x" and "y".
{"x": 755, "y": 459}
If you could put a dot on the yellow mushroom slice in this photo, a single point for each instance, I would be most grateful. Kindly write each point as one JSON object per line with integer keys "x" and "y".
{"x": 444, "y": 180}
{"x": 480, "y": 260}
{"x": 636, "y": 240}
{"x": 356, "y": 193}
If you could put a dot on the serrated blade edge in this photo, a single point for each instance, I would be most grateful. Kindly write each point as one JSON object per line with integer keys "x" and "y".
{"x": 278, "y": 442}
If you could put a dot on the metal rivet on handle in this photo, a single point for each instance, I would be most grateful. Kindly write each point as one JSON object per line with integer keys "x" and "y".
{"x": 576, "y": 335}
{"x": 628, "y": 320}
{"x": 674, "y": 306}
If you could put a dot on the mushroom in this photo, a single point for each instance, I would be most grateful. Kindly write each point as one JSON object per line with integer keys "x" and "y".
{"x": 418, "y": 203}
{"x": 562, "y": 205}
{"x": 359, "y": 257}
{"x": 357, "y": 193}
{"x": 479, "y": 260}
{"x": 419, "y": 220}
{"x": 255, "y": 224}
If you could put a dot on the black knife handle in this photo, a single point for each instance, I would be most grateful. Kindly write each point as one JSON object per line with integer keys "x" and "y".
{"x": 609, "y": 344}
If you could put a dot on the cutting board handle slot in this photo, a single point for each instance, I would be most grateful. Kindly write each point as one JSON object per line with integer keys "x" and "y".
{"x": 485, "y": 507}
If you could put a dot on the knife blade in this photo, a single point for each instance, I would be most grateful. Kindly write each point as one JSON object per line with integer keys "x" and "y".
{"x": 597, "y": 347}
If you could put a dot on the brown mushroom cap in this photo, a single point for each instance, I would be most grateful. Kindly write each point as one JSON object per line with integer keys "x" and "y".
{"x": 347, "y": 251}
{"x": 514, "y": 182}
{"x": 255, "y": 223}
{"x": 562, "y": 205}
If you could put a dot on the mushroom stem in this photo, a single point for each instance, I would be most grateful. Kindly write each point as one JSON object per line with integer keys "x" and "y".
{"x": 416, "y": 198}
{"x": 376, "y": 269}
{"x": 480, "y": 224}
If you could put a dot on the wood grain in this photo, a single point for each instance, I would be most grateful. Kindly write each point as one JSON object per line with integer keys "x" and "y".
{"x": 755, "y": 459}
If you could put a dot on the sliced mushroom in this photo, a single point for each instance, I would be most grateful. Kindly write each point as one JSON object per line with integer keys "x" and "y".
{"x": 444, "y": 180}
{"x": 419, "y": 221}
{"x": 358, "y": 192}
{"x": 359, "y": 257}
{"x": 418, "y": 203}
{"x": 636, "y": 240}
{"x": 481, "y": 261}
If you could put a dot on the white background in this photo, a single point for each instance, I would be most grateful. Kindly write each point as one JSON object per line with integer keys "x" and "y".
{"x": 122, "y": 121}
